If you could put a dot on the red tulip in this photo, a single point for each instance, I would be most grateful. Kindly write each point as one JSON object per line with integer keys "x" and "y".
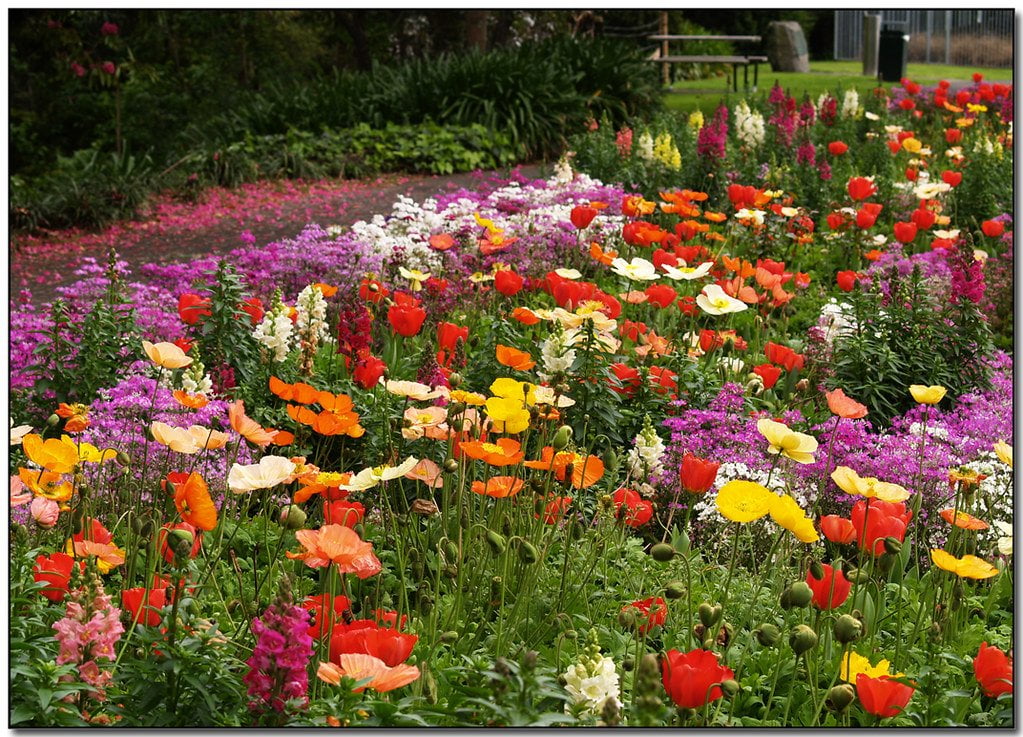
{"x": 690, "y": 678}
{"x": 905, "y": 232}
{"x": 952, "y": 178}
{"x": 992, "y": 228}
{"x": 768, "y": 373}
{"x": 406, "y": 318}
{"x": 882, "y": 696}
{"x": 993, "y": 670}
{"x": 696, "y": 474}
{"x": 860, "y": 188}
{"x": 831, "y": 591}
{"x": 838, "y": 529}
{"x": 508, "y": 283}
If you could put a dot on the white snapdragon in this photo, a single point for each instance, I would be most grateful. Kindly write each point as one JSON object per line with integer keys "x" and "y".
{"x": 645, "y": 456}
{"x": 556, "y": 355}
{"x": 645, "y": 146}
{"x": 312, "y": 313}
{"x": 275, "y": 332}
{"x": 850, "y": 103}
{"x": 592, "y": 681}
{"x": 749, "y": 126}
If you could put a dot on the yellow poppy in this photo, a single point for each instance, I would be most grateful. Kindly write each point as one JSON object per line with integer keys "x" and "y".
{"x": 59, "y": 456}
{"x": 927, "y": 394}
{"x": 787, "y": 513}
{"x": 854, "y": 664}
{"x": 1004, "y": 452}
{"x": 969, "y": 566}
{"x": 744, "y": 501}
{"x": 166, "y": 355}
{"x": 852, "y": 483}
{"x": 795, "y": 445}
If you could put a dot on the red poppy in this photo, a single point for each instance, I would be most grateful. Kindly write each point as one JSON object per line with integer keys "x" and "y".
{"x": 254, "y": 307}
{"x": 652, "y": 612}
{"x": 582, "y": 216}
{"x": 924, "y": 219}
{"x": 368, "y": 370}
{"x": 831, "y": 591}
{"x": 390, "y": 645}
{"x": 835, "y": 220}
{"x": 555, "y": 509}
{"x": 508, "y": 283}
{"x": 448, "y": 335}
{"x": 315, "y": 605}
{"x": 55, "y": 571}
{"x": 783, "y": 356}
{"x": 837, "y": 148}
{"x": 192, "y": 308}
{"x": 907, "y": 104}
{"x": 952, "y": 178}
{"x": 697, "y": 475}
{"x": 769, "y": 373}
{"x": 884, "y": 519}
{"x": 993, "y": 670}
{"x": 373, "y": 291}
{"x": 662, "y": 380}
{"x": 905, "y": 232}
{"x": 992, "y": 228}
{"x": 343, "y": 512}
{"x": 632, "y": 330}
{"x": 882, "y": 696}
{"x": 638, "y": 511}
{"x": 661, "y": 295}
{"x": 846, "y": 280}
{"x": 690, "y": 678}
{"x": 627, "y": 376}
{"x": 406, "y": 317}
{"x": 953, "y": 135}
{"x": 866, "y": 216}
{"x": 146, "y": 612}
{"x": 860, "y": 188}
{"x": 838, "y": 529}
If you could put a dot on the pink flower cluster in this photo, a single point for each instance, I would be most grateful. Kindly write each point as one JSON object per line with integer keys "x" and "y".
{"x": 88, "y": 632}
{"x": 278, "y": 664}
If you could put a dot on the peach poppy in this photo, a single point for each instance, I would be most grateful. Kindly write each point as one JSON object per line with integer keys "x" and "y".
{"x": 525, "y": 315}
{"x": 514, "y": 358}
{"x": 634, "y": 297}
{"x": 108, "y": 555}
{"x": 503, "y": 452}
{"x": 247, "y": 427}
{"x": 844, "y": 406}
{"x": 498, "y": 487}
{"x": 372, "y": 672}
{"x": 441, "y": 241}
{"x": 208, "y": 438}
{"x": 192, "y": 498}
{"x": 428, "y": 421}
{"x": 166, "y": 355}
{"x": 428, "y": 472}
{"x": 192, "y": 401}
{"x": 298, "y": 392}
{"x": 339, "y": 545}
{"x": 963, "y": 520}
{"x": 57, "y": 455}
{"x": 177, "y": 439}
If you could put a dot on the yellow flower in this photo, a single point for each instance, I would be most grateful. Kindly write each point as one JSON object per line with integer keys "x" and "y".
{"x": 460, "y": 395}
{"x": 788, "y": 514}
{"x": 927, "y": 394}
{"x": 854, "y": 664}
{"x": 852, "y": 483}
{"x": 969, "y": 566}
{"x": 796, "y": 445}
{"x": 696, "y": 120}
{"x": 514, "y": 389}
{"x": 507, "y": 415}
{"x": 59, "y": 456}
{"x": 744, "y": 501}
{"x": 46, "y": 484}
{"x": 1004, "y": 452}
{"x": 912, "y": 145}
{"x": 176, "y": 438}
{"x": 166, "y": 355}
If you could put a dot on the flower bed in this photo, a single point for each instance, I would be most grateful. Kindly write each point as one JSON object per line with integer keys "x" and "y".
{"x": 543, "y": 453}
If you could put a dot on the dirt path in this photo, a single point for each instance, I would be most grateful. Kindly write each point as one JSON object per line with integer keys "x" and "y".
{"x": 176, "y": 231}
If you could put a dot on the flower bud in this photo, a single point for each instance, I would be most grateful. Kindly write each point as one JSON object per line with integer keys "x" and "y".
{"x": 180, "y": 541}
{"x": 497, "y": 542}
{"x": 449, "y": 637}
{"x": 817, "y": 570}
{"x": 730, "y": 687}
{"x": 562, "y": 438}
{"x": 122, "y": 458}
{"x": 800, "y": 593}
{"x": 611, "y": 460}
{"x": 528, "y": 553}
{"x": 455, "y": 380}
{"x": 706, "y": 613}
{"x": 53, "y": 420}
{"x": 767, "y": 634}
{"x": 802, "y": 385}
{"x": 802, "y": 639}
{"x": 840, "y": 696}
{"x": 662, "y": 552}
{"x": 857, "y": 575}
{"x": 450, "y": 465}
{"x": 848, "y": 628}
{"x": 449, "y": 549}
{"x": 293, "y": 517}
{"x": 675, "y": 590}
{"x": 627, "y": 618}
{"x": 628, "y": 664}
{"x": 891, "y": 545}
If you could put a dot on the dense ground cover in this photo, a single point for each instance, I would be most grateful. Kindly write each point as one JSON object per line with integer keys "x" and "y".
{"x": 724, "y": 445}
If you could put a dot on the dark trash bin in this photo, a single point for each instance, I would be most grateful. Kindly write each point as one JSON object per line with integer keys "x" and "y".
{"x": 893, "y": 53}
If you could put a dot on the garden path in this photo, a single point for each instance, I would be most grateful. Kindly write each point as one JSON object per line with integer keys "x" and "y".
{"x": 175, "y": 231}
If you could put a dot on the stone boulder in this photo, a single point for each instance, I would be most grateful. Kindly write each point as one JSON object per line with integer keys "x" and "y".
{"x": 786, "y": 47}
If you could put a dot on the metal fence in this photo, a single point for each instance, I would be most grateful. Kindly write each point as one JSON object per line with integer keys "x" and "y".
{"x": 960, "y": 37}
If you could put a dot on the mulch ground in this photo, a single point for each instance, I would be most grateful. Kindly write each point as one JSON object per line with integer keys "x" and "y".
{"x": 176, "y": 231}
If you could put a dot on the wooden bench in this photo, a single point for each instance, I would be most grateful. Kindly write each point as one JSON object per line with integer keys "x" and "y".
{"x": 743, "y": 60}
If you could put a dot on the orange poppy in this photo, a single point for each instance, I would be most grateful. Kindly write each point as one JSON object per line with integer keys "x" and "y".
{"x": 362, "y": 667}
{"x": 525, "y": 315}
{"x": 636, "y": 206}
{"x": 600, "y": 255}
{"x": 192, "y": 498}
{"x": 325, "y": 289}
{"x": 339, "y": 545}
{"x": 715, "y": 217}
{"x": 963, "y": 520}
{"x": 844, "y": 406}
{"x": 316, "y": 483}
{"x": 441, "y": 241}
{"x": 743, "y": 268}
{"x": 77, "y": 416}
{"x": 327, "y": 422}
{"x": 514, "y": 358}
{"x": 586, "y": 471}
{"x": 247, "y": 427}
{"x": 683, "y": 209}
{"x": 696, "y": 226}
{"x": 505, "y": 452}
{"x": 192, "y": 401}
{"x": 714, "y": 237}
{"x": 736, "y": 288}
{"x": 498, "y": 487}
{"x": 46, "y": 484}
{"x": 298, "y": 392}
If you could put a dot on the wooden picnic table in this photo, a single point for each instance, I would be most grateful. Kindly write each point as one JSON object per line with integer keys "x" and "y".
{"x": 743, "y": 60}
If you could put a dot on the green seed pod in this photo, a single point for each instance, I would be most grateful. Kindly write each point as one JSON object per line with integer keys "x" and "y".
{"x": 497, "y": 542}
{"x": 785, "y": 600}
{"x": 571, "y": 634}
{"x": 426, "y": 604}
{"x": 171, "y": 488}
{"x": 801, "y": 594}
{"x": 293, "y": 517}
{"x": 847, "y": 628}
{"x": 122, "y": 458}
{"x": 450, "y": 465}
{"x": 611, "y": 460}
{"x": 839, "y": 697}
{"x": 893, "y": 546}
{"x": 857, "y": 575}
{"x": 715, "y": 612}
{"x": 708, "y": 643}
{"x": 767, "y": 634}
{"x": 730, "y": 687}
{"x": 496, "y": 587}
{"x": 180, "y": 541}
{"x": 817, "y": 570}
{"x": 627, "y": 618}
{"x": 455, "y": 409}
{"x": 675, "y": 590}
{"x": 455, "y": 380}
{"x": 706, "y": 613}
{"x": 528, "y": 553}
{"x": 449, "y": 637}
{"x": 450, "y": 549}
{"x": 802, "y": 639}
{"x": 628, "y": 664}
{"x": 562, "y": 438}
{"x": 662, "y": 552}
{"x": 53, "y": 420}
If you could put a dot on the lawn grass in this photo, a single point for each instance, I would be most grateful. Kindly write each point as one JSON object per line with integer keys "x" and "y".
{"x": 824, "y": 76}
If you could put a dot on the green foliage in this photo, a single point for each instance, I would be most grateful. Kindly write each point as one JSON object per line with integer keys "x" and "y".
{"x": 225, "y": 335}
